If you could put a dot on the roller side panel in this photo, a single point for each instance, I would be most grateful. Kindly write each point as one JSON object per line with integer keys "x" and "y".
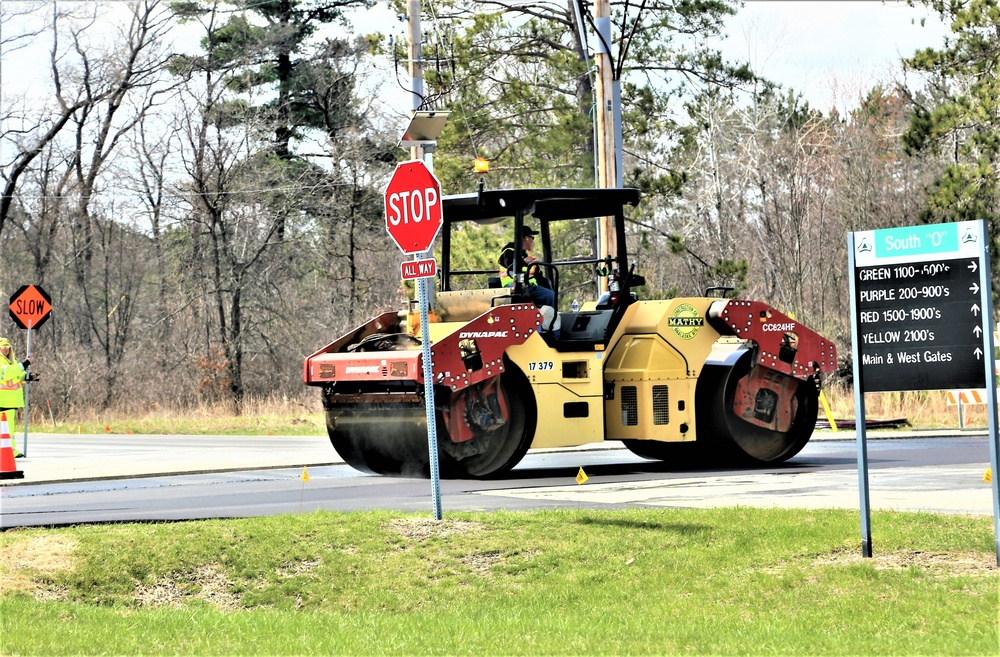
{"x": 568, "y": 386}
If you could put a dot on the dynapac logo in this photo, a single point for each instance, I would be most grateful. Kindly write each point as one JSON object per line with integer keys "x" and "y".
{"x": 482, "y": 334}
{"x": 779, "y": 327}
{"x": 363, "y": 369}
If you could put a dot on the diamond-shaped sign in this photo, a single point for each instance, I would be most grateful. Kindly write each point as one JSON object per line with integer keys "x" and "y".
{"x": 30, "y": 306}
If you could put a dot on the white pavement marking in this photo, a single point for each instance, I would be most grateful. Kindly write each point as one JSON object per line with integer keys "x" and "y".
{"x": 938, "y": 489}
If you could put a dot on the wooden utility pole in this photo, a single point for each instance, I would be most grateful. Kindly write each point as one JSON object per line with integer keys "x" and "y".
{"x": 416, "y": 66}
{"x": 607, "y": 173}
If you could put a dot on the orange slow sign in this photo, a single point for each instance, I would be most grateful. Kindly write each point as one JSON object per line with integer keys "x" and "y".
{"x": 30, "y": 306}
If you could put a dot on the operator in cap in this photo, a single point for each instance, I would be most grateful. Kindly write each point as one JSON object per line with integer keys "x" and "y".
{"x": 13, "y": 374}
{"x": 536, "y": 285}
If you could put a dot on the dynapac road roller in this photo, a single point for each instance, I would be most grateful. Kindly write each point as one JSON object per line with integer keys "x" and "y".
{"x": 711, "y": 378}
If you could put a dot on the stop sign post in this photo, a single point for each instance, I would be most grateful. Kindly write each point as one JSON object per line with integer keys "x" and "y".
{"x": 413, "y": 207}
{"x": 413, "y": 218}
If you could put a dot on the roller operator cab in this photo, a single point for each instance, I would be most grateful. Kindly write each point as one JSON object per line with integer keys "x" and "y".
{"x": 713, "y": 379}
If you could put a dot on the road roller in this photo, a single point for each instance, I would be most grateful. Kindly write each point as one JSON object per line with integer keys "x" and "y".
{"x": 713, "y": 380}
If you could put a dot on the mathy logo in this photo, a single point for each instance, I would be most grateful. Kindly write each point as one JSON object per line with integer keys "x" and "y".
{"x": 686, "y": 321}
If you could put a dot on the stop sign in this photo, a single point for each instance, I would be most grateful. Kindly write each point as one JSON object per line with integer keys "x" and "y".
{"x": 413, "y": 207}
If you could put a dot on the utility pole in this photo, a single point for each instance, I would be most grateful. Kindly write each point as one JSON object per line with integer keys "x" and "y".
{"x": 416, "y": 67}
{"x": 608, "y": 129}
{"x": 422, "y": 149}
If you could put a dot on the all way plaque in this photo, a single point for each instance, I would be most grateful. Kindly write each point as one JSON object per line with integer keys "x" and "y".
{"x": 918, "y": 307}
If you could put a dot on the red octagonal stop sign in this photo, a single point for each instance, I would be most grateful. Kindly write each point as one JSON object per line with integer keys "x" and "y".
{"x": 413, "y": 207}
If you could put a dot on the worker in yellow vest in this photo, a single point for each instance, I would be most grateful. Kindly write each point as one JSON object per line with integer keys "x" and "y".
{"x": 536, "y": 286}
{"x": 13, "y": 374}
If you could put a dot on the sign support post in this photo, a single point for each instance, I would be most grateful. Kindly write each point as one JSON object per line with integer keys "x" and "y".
{"x": 413, "y": 218}
{"x": 27, "y": 391}
{"x": 991, "y": 391}
{"x": 432, "y": 444}
{"x": 859, "y": 421}
{"x": 29, "y": 307}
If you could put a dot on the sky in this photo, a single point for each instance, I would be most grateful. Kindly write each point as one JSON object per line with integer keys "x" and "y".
{"x": 830, "y": 51}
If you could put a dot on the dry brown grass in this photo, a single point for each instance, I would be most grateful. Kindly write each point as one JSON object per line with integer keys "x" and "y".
{"x": 256, "y": 416}
{"x": 922, "y": 409}
{"x": 27, "y": 562}
{"x": 206, "y": 583}
{"x": 282, "y": 415}
{"x": 417, "y": 528}
{"x": 939, "y": 564}
{"x": 308, "y": 402}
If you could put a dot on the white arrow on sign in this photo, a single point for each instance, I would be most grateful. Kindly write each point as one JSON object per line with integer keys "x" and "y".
{"x": 978, "y": 352}
{"x": 975, "y": 309}
{"x": 974, "y": 288}
{"x": 978, "y": 330}
{"x": 973, "y": 266}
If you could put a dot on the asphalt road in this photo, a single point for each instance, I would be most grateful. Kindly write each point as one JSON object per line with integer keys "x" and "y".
{"x": 942, "y": 474}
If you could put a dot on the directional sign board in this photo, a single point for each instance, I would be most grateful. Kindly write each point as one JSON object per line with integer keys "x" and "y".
{"x": 30, "y": 306}
{"x": 918, "y": 307}
{"x": 921, "y": 319}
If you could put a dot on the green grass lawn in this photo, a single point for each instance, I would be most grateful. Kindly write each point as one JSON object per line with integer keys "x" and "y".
{"x": 663, "y": 581}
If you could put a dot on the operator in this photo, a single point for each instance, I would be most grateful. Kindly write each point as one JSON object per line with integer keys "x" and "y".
{"x": 535, "y": 284}
{"x": 12, "y": 377}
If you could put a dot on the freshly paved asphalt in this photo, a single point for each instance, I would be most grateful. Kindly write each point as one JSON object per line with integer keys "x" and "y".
{"x": 954, "y": 487}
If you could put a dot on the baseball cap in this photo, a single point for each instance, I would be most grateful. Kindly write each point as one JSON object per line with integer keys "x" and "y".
{"x": 528, "y": 232}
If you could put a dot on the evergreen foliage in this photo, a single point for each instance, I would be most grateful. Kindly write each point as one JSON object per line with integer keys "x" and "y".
{"x": 965, "y": 124}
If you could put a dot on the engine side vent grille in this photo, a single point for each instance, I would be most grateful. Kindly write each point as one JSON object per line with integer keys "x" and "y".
{"x": 661, "y": 405}
{"x": 630, "y": 406}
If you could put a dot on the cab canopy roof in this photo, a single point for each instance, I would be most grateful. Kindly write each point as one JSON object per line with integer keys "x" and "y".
{"x": 491, "y": 206}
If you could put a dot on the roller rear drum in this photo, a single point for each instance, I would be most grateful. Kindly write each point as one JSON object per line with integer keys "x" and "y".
{"x": 391, "y": 438}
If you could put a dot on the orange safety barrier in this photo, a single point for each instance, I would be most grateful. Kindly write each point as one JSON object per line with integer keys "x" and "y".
{"x": 8, "y": 466}
{"x": 967, "y": 396}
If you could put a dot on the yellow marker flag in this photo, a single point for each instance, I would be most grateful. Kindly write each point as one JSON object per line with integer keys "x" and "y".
{"x": 305, "y": 474}
{"x": 581, "y": 477}
{"x": 829, "y": 413}
{"x": 988, "y": 477}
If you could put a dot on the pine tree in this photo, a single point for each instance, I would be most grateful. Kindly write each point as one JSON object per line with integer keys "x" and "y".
{"x": 964, "y": 125}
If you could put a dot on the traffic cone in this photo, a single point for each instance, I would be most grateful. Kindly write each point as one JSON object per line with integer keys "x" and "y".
{"x": 8, "y": 468}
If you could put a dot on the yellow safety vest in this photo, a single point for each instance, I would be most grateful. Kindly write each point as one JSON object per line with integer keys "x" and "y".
{"x": 507, "y": 273}
{"x": 11, "y": 384}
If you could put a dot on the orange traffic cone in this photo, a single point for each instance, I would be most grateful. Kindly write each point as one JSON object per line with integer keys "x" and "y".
{"x": 8, "y": 468}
